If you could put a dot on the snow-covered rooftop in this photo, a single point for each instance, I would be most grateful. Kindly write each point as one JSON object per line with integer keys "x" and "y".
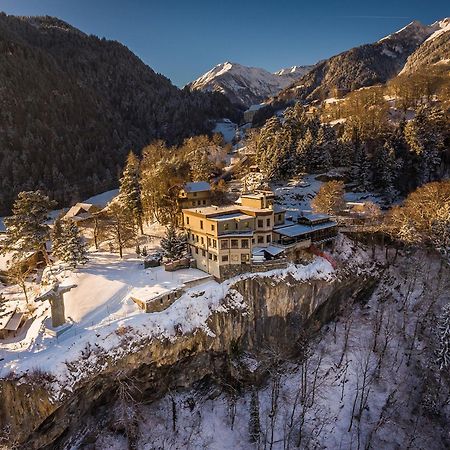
{"x": 298, "y": 230}
{"x": 197, "y": 186}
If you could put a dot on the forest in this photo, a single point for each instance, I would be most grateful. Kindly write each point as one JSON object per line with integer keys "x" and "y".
{"x": 72, "y": 106}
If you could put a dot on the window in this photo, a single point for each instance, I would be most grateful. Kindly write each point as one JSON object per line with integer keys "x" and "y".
{"x": 213, "y": 227}
{"x": 195, "y": 194}
{"x": 196, "y": 250}
{"x": 268, "y": 222}
{"x": 210, "y": 255}
{"x": 203, "y": 253}
{"x": 215, "y": 257}
{"x": 196, "y": 238}
{"x": 247, "y": 224}
{"x": 260, "y": 223}
{"x": 253, "y": 240}
{"x": 236, "y": 225}
{"x": 225, "y": 226}
{"x": 201, "y": 224}
{"x": 209, "y": 242}
{"x": 268, "y": 238}
{"x": 204, "y": 202}
{"x": 260, "y": 239}
{"x": 245, "y": 258}
{"x": 187, "y": 220}
{"x": 214, "y": 243}
{"x": 193, "y": 203}
{"x": 225, "y": 258}
{"x": 224, "y": 244}
{"x": 234, "y": 243}
{"x": 279, "y": 216}
{"x": 244, "y": 243}
{"x": 202, "y": 240}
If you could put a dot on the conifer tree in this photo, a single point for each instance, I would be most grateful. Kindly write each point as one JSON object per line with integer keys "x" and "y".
{"x": 173, "y": 244}
{"x": 386, "y": 169}
{"x": 361, "y": 170}
{"x": 71, "y": 247}
{"x": 424, "y": 135}
{"x": 130, "y": 189}
{"x": 27, "y": 230}
{"x": 57, "y": 236}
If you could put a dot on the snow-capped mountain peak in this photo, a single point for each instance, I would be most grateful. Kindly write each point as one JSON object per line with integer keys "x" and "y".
{"x": 246, "y": 85}
{"x": 414, "y": 31}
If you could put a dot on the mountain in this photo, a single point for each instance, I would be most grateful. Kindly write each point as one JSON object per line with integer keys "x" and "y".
{"x": 246, "y": 86}
{"x": 360, "y": 66}
{"x": 72, "y": 106}
{"x": 294, "y": 72}
{"x": 435, "y": 49}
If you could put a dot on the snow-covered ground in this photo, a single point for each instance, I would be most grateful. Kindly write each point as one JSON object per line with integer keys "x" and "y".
{"x": 363, "y": 384}
{"x": 98, "y": 306}
{"x": 296, "y": 195}
{"x": 227, "y": 129}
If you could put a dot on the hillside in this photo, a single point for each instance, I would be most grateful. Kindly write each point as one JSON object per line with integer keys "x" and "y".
{"x": 360, "y": 66}
{"x": 246, "y": 86}
{"x": 72, "y": 106}
{"x": 435, "y": 50}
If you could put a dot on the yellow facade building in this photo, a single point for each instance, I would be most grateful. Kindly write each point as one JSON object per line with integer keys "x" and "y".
{"x": 223, "y": 236}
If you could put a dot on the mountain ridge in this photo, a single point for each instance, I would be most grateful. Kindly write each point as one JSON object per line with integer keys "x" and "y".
{"x": 245, "y": 85}
{"x": 358, "y": 67}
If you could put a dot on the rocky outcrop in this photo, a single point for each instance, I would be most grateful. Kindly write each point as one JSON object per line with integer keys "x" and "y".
{"x": 277, "y": 309}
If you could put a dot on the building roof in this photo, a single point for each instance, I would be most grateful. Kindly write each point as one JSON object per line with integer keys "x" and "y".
{"x": 313, "y": 216}
{"x": 232, "y": 215}
{"x": 80, "y": 209}
{"x": 213, "y": 211}
{"x": 14, "y": 323}
{"x": 298, "y": 230}
{"x": 197, "y": 186}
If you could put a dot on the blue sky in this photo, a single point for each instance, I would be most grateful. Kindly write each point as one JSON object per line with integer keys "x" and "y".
{"x": 183, "y": 39}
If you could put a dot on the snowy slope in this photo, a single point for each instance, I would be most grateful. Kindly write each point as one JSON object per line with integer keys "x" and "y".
{"x": 435, "y": 49}
{"x": 362, "y": 66}
{"x": 246, "y": 85}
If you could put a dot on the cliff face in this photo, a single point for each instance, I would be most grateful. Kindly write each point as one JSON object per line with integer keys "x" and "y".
{"x": 277, "y": 309}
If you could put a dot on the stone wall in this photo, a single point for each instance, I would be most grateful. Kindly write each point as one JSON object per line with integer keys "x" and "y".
{"x": 232, "y": 270}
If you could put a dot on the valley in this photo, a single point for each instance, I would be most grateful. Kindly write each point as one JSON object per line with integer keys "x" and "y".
{"x": 257, "y": 260}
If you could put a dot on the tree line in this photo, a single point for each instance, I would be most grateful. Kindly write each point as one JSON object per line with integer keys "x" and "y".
{"x": 388, "y": 158}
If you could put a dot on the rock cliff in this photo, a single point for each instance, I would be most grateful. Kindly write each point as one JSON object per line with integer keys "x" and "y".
{"x": 274, "y": 311}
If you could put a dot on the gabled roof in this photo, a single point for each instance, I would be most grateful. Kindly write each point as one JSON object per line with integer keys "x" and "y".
{"x": 197, "y": 186}
{"x": 81, "y": 208}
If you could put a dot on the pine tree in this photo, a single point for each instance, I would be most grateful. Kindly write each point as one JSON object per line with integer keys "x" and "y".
{"x": 27, "y": 230}
{"x": 424, "y": 135}
{"x": 173, "y": 244}
{"x": 130, "y": 189}
{"x": 443, "y": 353}
{"x": 71, "y": 247}
{"x": 386, "y": 169}
{"x": 57, "y": 236}
{"x": 361, "y": 170}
